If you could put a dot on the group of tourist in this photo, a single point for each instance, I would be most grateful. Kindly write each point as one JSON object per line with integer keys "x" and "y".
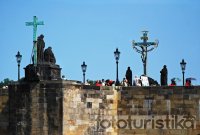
{"x": 137, "y": 81}
{"x": 142, "y": 80}
{"x": 126, "y": 81}
{"x": 163, "y": 79}
{"x": 188, "y": 82}
{"x": 103, "y": 82}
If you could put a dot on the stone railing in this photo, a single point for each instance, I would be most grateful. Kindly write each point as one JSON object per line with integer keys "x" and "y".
{"x": 131, "y": 110}
{"x": 62, "y": 108}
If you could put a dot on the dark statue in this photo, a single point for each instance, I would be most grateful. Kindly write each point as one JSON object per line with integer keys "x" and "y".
{"x": 163, "y": 76}
{"x": 152, "y": 82}
{"x": 49, "y": 56}
{"x": 129, "y": 76}
{"x": 40, "y": 48}
{"x": 46, "y": 67}
{"x": 46, "y": 55}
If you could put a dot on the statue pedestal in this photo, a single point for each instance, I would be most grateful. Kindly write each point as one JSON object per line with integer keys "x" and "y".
{"x": 43, "y": 71}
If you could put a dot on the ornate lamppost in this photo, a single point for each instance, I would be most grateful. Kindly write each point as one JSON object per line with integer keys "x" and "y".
{"x": 142, "y": 48}
{"x": 183, "y": 66}
{"x": 117, "y": 55}
{"x": 18, "y": 58}
{"x": 84, "y": 67}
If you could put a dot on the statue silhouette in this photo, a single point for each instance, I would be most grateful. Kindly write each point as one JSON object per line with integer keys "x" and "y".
{"x": 49, "y": 56}
{"x": 129, "y": 76}
{"x": 40, "y": 48}
{"x": 163, "y": 76}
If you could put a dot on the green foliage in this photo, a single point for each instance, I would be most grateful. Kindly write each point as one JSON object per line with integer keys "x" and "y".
{"x": 91, "y": 82}
{"x": 5, "y": 82}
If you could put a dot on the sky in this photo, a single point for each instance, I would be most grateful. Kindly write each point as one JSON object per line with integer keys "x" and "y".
{"x": 91, "y": 30}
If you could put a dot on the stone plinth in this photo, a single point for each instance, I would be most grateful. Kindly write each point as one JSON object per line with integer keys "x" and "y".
{"x": 43, "y": 71}
{"x": 35, "y": 108}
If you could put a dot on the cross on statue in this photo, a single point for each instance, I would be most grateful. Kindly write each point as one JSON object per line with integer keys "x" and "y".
{"x": 142, "y": 48}
{"x": 35, "y": 23}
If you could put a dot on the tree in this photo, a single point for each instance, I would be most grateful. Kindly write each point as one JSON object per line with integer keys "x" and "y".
{"x": 5, "y": 82}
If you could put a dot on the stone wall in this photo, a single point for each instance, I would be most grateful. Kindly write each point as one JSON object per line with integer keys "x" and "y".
{"x": 36, "y": 108}
{"x": 93, "y": 110}
{"x": 64, "y": 108}
{"x": 4, "y": 113}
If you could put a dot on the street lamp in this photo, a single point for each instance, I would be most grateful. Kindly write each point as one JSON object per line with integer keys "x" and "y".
{"x": 117, "y": 55}
{"x": 142, "y": 48}
{"x": 183, "y": 65}
{"x": 84, "y": 67}
{"x": 18, "y": 58}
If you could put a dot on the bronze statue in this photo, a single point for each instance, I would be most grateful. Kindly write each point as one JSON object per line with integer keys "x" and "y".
{"x": 40, "y": 48}
{"x": 163, "y": 76}
{"x": 49, "y": 56}
{"x": 129, "y": 76}
{"x": 44, "y": 65}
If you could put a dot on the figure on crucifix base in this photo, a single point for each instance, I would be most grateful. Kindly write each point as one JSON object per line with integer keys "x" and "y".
{"x": 49, "y": 56}
{"x": 40, "y": 48}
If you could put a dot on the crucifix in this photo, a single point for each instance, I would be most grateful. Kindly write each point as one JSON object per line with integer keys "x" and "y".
{"x": 142, "y": 48}
{"x": 35, "y": 23}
